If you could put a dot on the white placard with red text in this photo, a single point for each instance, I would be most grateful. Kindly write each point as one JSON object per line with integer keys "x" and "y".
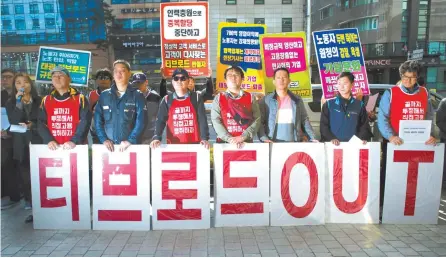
{"x": 121, "y": 189}
{"x": 241, "y": 185}
{"x": 297, "y": 184}
{"x": 60, "y": 187}
{"x": 353, "y": 183}
{"x": 413, "y": 183}
{"x": 180, "y": 187}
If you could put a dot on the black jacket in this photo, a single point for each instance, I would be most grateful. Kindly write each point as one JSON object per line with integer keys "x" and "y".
{"x": 80, "y": 136}
{"x": 21, "y": 140}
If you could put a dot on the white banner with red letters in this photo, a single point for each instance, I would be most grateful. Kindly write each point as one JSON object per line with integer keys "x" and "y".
{"x": 60, "y": 187}
{"x": 121, "y": 189}
{"x": 413, "y": 183}
{"x": 241, "y": 185}
{"x": 353, "y": 183}
{"x": 180, "y": 187}
{"x": 297, "y": 184}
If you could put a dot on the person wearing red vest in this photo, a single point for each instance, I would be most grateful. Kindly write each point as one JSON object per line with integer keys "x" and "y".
{"x": 235, "y": 113}
{"x": 184, "y": 114}
{"x": 405, "y": 101}
{"x": 64, "y": 117}
{"x": 104, "y": 80}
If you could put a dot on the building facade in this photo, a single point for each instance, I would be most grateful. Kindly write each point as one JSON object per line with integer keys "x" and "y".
{"x": 27, "y": 25}
{"x": 389, "y": 32}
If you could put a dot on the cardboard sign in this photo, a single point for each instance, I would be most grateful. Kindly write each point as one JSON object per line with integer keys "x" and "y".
{"x": 413, "y": 183}
{"x": 353, "y": 183}
{"x": 121, "y": 189}
{"x": 180, "y": 187}
{"x": 297, "y": 184}
{"x": 60, "y": 187}
{"x": 241, "y": 185}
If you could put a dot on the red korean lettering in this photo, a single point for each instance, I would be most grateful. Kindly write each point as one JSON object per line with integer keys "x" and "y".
{"x": 179, "y": 195}
{"x": 339, "y": 200}
{"x": 293, "y": 160}
{"x": 414, "y": 158}
{"x": 239, "y": 182}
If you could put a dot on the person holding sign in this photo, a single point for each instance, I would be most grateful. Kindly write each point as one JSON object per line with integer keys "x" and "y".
{"x": 283, "y": 113}
{"x": 23, "y": 110}
{"x": 344, "y": 116}
{"x": 184, "y": 114}
{"x": 235, "y": 113}
{"x": 120, "y": 113}
{"x": 104, "y": 80}
{"x": 65, "y": 116}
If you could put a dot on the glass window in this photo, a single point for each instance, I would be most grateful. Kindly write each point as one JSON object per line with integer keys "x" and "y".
{"x": 153, "y": 25}
{"x": 20, "y": 24}
{"x": 259, "y": 20}
{"x": 34, "y": 8}
{"x": 48, "y": 8}
{"x": 234, "y": 20}
{"x": 326, "y": 12}
{"x": 5, "y": 10}
{"x": 290, "y": 2}
{"x": 231, "y": 2}
{"x": 50, "y": 23}
{"x": 36, "y": 24}
{"x": 6, "y": 25}
{"x": 259, "y": 1}
{"x": 287, "y": 24}
{"x": 120, "y": 2}
{"x": 19, "y": 9}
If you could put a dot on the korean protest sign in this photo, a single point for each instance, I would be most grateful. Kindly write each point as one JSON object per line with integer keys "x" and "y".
{"x": 239, "y": 45}
{"x": 340, "y": 51}
{"x": 286, "y": 50}
{"x": 184, "y": 37}
{"x": 77, "y": 62}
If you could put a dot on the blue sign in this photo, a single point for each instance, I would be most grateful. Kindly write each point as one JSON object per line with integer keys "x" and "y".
{"x": 77, "y": 62}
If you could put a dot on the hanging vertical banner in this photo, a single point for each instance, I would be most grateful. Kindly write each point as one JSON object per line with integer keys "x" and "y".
{"x": 286, "y": 50}
{"x": 180, "y": 187}
{"x": 121, "y": 188}
{"x": 60, "y": 187}
{"x": 241, "y": 185}
{"x": 297, "y": 184}
{"x": 185, "y": 37}
{"x": 340, "y": 51}
{"x": 77, "y": 62}
{"x": 239, "y": 45}
{"x": 413, "y": 183}
{"x": 353, "y": 183}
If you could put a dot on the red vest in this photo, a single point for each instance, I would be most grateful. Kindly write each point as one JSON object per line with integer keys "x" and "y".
{"x": 182, "y": 124}
{"x": 62, "y": 117}
{"x": 405, "y": 106}
{"x": 234, "y": 128}
{"x": 93, "y": 97}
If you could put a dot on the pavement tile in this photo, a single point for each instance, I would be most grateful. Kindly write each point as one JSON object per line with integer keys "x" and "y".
{"x": 386, "y": 248}
{"x": 397, "y": 244}
{"x": 80, "y": 251}
{"x": 352, "y": 248}
{"x": 323, "y": 254}
{"x": 93, "y": 254}
{"x": 338, "y": 252}
{"x": 11, "y": 250}
{"x": 394, "y": 254}
{"x": 269, "y": 253}
{"x": 374, "y": 252}
{"x": 439, "y": 251}
{"x": 30, "y": 247}
{"x": 252, "y": 255}
{"x": 280, "y": 241}
{"x": 23, "y": 253}
{"x": 46, "y": 250}
{"x": 115, "y": 250}
{"x": 234, "y": 253}
{"x": 128, "y": 253}
{"x": 428, "y": 254}
{"x": 58, "y": 253}
{"x": 284, "y": 249}
{"x": 358, "y": 254}
{"x": 198, "y": 253}
{"x": 288, "y": 255}
{"x": 319, "y": 248}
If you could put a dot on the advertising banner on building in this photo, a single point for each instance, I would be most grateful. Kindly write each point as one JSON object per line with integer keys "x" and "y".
{"x": 239, "y": 45}
{"x": 286, "y": 50}
{"x": 185, "y": 37}
{"x": 340, "y": 51}
{"x": 77, "y": 62}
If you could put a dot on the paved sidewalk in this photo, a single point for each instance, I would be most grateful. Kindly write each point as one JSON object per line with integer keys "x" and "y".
{"x": 20, "y": 239}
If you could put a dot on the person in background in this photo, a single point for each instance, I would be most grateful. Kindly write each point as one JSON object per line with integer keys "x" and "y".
{"x": 184, "y": 114}
{"x": 344, "y": 116}
{"x": 104, "y": 80}
{"x": 283, "y": 113}
{"x": 23, "y": 110}
{"x": 64, "y": 117}
{"x": 441, "y": 123}
{"x": 121, "y": 111}
{"x": 235, "y": 113}
{"x": 10, "y": 183}
{"x": 139, "y": 81}
{"x": 393, "y": 109}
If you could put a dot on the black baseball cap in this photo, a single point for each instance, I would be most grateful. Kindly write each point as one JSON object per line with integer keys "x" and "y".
{"x": 180, "y": 71}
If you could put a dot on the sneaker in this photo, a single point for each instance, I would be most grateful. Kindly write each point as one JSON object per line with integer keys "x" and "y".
{"x": 29, "y": 219}
{"x": 6, "y": 204}
{"x": 28, "y": 205}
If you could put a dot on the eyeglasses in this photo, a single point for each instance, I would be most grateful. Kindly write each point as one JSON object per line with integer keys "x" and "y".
{"x": 4, "y": 77}
{"x": 103, "y": 78}
{"x": 406, "y": 78}
{"x": 182, "y": 78}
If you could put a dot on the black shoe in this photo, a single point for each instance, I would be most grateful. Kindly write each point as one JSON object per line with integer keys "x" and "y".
{"x": 29, "y": 219}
